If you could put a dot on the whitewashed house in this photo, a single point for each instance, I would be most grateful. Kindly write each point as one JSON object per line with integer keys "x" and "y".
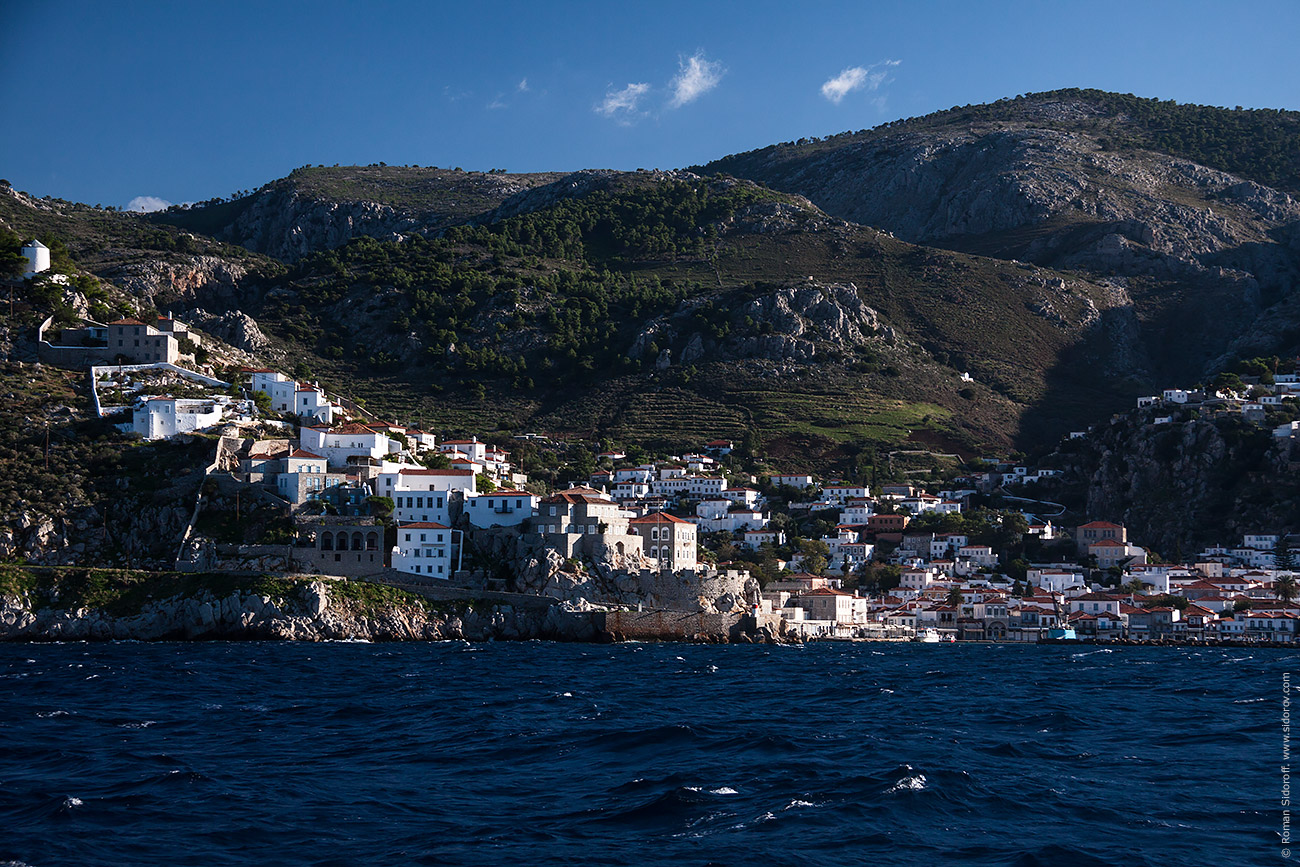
{"x": 162, "y": 417}
{"x": 424, "y": 549}
{"x": 351, "y": 440}
{"x": 501, "y": 508}
{"x": 421, "y": 495}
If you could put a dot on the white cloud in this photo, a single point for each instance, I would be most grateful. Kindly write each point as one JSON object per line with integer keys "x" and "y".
{"x": 695, "y": 78}
{"x": 523, "y": 85}
{"x": 145, "y": 204}
{"x": 622, "y": 104}
{"x": 867, "y": 78}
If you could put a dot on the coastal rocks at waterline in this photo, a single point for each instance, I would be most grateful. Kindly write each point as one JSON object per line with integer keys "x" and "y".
{"x": 312, "y": 611}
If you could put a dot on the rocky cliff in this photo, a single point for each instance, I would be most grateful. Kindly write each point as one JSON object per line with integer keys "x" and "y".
{"x": 77, "y": 605}
{"x": 1182, "y": 485}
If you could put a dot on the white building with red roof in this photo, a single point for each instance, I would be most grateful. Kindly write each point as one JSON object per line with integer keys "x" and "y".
{"x": 352, "y": 440}
{"x": 424, "y": 549}
{"x": 505, "y": 508}
{"x": 420, "y": 494}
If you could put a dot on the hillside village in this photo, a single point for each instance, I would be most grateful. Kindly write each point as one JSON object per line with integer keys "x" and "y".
{"x": 355, "y": 496}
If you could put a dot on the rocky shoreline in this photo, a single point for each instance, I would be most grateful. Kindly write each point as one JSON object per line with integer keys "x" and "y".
{"x": 101, "y": 605}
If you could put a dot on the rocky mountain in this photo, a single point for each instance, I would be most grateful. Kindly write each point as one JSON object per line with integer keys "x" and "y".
{"x": 1165, "y": 203}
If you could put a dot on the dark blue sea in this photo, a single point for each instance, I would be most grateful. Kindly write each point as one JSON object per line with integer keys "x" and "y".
{"x": 535, "y": 753}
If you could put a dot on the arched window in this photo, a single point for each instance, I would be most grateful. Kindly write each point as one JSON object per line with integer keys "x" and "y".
{"x": 372, "y": 541}
{"x": 358, "y": 543}
{"x": 327, "y": 541}
{"x": 343, "y": 542}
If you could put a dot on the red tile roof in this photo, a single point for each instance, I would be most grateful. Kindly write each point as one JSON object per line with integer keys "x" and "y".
{"x": 434, "y": 473}
{"x": 659, "y": 518}
{"x": 422, "y": 525}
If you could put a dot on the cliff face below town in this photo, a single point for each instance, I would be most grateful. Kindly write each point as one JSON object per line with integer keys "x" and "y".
{"x": 97, "y": 605}
{"x": 1181, "y": 486}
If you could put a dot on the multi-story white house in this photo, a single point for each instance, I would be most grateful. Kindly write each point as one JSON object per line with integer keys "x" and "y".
{"x": 275, "y": 385}
{"x": 501, "y": 508}
{"x": 631, "y": 490}
{"x": 840, "y": 495}
{"x": 644, "y": 473}
{"x": 350, "y": 440}
{"x": 311, "y": 402}
{"x": 706, "y": 486}
{"x": 764, "y": 536}
{"x": 742, "y": 496}
{"x": 424, "y": 549}
{"x": 424, "y": 495}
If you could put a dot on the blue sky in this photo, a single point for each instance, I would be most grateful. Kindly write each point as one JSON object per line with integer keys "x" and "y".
{"x": 186, "y": 100}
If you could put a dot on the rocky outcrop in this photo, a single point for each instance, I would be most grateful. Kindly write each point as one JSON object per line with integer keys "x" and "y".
{"x": 606, "y": 576}
{"x": 328, "y": 610}
{"x": 143, "y": 534}
{"x": 165, "y": 282}
{"x": 324, "y": 208}
{"x": 234, "y": 327}
{"x": 1185, "y": 484}
{"x": 288, "y": 225}
{"x": 1032, "y": 188}
{"x": 315, "y": 611}
{"x": 797, "y": 323}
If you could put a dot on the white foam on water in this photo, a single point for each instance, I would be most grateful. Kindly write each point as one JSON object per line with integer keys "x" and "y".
{"x": 724, "y": 790}
{"x": 72, "y": 802}
{"x": 909, "y": 784}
